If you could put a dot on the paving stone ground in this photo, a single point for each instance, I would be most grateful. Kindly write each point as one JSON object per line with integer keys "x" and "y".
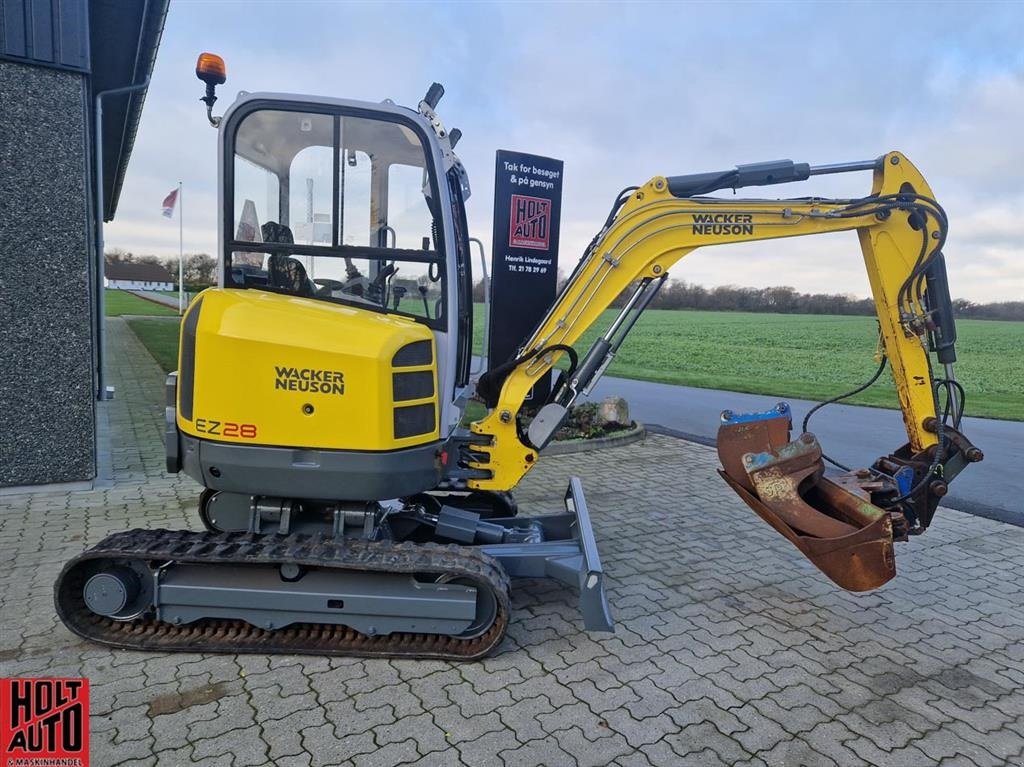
{"x": 729, "y": 648}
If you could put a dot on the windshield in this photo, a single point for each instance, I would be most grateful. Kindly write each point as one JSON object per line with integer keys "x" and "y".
{"x": 335, "y": 207}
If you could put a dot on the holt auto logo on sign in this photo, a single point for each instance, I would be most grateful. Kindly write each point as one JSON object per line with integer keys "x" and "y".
{"x": 44, "y": 722}
{"x": 530, "y": 222}
{"x": 524, "y": 270}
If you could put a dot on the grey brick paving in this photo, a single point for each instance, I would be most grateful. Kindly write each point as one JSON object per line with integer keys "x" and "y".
{"x": 729, "y": 649}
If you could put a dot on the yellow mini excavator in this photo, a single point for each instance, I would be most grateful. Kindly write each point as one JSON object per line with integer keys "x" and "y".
{"x": 320, "y": 389}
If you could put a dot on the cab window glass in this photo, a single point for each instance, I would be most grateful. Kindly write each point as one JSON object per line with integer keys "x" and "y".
{"x": 276, "y": 152}
{"x": 408, "y": 214}
{"x": 343, "y": 208}
{"x": 309, "y": 195}
{"x": 256, "y": 199}
{"x": 355, "y": 174}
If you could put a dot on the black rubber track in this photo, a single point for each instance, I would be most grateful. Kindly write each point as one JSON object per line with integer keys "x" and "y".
{"x": 247, "y": 549}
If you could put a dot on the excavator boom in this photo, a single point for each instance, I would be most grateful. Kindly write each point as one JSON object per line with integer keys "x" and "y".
{"x": 845, "y": 525}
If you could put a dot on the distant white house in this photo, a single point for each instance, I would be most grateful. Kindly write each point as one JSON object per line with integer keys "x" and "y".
{"x": 124, "y": 276}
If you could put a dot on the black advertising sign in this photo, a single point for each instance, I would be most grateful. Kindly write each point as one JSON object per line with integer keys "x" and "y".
{"x": 524, "y": 269}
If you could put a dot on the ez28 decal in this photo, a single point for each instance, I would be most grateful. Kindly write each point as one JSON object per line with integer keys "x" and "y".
{"x": 226, "y": 428}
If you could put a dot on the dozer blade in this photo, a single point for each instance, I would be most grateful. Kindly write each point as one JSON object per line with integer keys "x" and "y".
{"x": 846, "y": 537}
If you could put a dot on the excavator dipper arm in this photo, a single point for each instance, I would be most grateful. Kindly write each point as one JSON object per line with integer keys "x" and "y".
{"x": 901, "y": 231}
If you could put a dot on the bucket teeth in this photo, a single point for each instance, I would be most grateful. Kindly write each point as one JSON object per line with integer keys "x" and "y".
{"x": 843, "y": 535}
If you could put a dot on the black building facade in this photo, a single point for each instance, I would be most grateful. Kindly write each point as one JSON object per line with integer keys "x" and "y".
{"x": 57, "y": 58}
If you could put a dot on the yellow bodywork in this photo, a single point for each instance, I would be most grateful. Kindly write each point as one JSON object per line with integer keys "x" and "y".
{"x": 653, "y": 230}
{"x": 278, "y": 370}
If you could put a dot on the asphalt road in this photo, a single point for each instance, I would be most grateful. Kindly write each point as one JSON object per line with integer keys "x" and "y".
{"x": 854, "y": 436}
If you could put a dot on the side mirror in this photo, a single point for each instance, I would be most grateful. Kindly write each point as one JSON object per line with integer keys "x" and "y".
{"x": 211, "y": 70}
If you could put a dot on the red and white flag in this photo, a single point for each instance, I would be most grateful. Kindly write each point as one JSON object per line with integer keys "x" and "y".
{"x": 169, "y": 202}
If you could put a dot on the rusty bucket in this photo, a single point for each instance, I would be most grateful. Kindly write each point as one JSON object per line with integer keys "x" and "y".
{"x": 842, "y": 533}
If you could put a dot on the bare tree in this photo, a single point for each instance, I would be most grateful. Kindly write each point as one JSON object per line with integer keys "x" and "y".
{"x": 200, "y": 269}
{"x": 118, "y": 256}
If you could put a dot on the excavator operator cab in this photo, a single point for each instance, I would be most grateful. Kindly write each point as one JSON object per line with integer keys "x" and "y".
{"x": 340, "y": 333}
{"x": 352, "y": 204}
{"x": 334, "y": 207}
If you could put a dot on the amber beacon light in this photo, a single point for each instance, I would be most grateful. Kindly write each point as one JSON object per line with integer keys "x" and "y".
{"x": 211, "y": 70}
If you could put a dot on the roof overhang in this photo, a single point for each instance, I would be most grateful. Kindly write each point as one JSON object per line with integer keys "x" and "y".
{"x": 124, "y": 38}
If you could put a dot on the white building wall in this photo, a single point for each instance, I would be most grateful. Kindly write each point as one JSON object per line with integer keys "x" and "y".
{"x": 137, "y": 285}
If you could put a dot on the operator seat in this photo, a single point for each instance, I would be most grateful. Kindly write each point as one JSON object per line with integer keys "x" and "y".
{"x": 285, "y": 272}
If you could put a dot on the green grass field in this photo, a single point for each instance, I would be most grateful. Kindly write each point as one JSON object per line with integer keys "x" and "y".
{"x": 808, "y": 357}
{"x": 119, "y": 302}
{"x": 160, "y": 337}
{"x": 802, "y": 356}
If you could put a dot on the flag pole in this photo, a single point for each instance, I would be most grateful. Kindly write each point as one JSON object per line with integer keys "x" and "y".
{"x": 181, "y": 255}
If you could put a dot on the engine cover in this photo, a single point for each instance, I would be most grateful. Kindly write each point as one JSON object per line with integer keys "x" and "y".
{"x": 261, "y": 368}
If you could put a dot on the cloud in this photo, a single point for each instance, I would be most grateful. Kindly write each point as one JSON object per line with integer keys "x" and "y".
{"x": 625, "y": 92}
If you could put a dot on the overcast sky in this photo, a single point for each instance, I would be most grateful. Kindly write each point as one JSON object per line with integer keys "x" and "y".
{"x": 625, "y": 92}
